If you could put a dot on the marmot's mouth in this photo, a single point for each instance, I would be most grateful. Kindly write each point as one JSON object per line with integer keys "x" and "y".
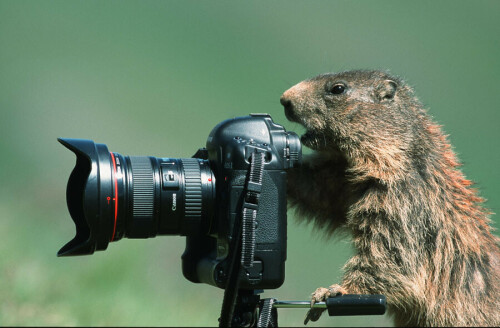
{"x": 311, "y": 139}
{"x": 306, "y": 137}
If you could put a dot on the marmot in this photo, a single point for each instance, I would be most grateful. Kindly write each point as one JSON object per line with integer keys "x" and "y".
{"x": 384, "y": 172}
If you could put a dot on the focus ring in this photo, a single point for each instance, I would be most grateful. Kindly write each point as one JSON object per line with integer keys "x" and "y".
{"x": 193, "y": 193}
{"x": 142, "y": 186}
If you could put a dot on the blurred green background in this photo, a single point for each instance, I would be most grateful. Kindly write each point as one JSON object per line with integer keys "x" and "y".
{"x": 153, "y": 78}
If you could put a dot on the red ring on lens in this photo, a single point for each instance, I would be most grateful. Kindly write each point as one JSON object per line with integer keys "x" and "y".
{"x": 115, "y": 194}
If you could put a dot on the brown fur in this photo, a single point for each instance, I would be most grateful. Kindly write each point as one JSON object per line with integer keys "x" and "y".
{"x": 384, "y": 172}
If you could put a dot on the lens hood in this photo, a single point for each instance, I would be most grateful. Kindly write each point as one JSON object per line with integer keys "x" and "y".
{"x": 87, "y": 195}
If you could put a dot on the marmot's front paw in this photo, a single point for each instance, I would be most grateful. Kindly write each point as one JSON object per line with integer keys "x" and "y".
{"x": 320, "y": 295}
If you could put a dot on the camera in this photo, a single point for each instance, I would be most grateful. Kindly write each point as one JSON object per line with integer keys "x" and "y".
{"x": 111, "y": 196}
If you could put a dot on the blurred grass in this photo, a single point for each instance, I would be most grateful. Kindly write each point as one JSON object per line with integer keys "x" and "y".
{"x": 153, "y": 78}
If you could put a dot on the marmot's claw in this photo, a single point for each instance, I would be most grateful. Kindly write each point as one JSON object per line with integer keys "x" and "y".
{"x": 336, "y": 290}
{"x": 320, "y": 295}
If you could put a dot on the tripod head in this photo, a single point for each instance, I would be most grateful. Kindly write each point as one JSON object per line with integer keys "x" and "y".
{"x": 251, "y": 311}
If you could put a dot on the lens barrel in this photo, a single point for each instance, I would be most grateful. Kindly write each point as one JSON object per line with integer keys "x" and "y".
{"x": 111, "y": 196}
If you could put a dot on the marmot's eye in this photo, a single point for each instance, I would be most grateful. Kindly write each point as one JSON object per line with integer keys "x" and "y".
{"x": 338, "y": 89}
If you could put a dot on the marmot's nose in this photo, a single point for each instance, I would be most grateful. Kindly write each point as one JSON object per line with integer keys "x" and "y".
{"x": 287, "y": 103}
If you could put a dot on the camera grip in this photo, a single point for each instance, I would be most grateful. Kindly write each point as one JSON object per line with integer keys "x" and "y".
{"x": 351, "y": 304}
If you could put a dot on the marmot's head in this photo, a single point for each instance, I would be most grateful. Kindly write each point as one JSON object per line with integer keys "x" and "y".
{"x": 369, "y": 116}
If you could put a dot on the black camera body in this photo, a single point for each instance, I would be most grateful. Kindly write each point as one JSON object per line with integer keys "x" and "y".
{"x": 111, "y": 196}
{"x": 228, "y": 151}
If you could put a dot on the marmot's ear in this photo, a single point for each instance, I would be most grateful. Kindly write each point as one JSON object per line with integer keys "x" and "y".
{"x": 386, "y": 90}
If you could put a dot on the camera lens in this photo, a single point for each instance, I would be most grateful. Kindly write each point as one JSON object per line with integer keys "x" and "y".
{"x": 111, "y": 196}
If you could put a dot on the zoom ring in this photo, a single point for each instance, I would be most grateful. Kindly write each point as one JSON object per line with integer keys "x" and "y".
{"x": 143, "y": 186}
{"x": 193, "y": 192}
